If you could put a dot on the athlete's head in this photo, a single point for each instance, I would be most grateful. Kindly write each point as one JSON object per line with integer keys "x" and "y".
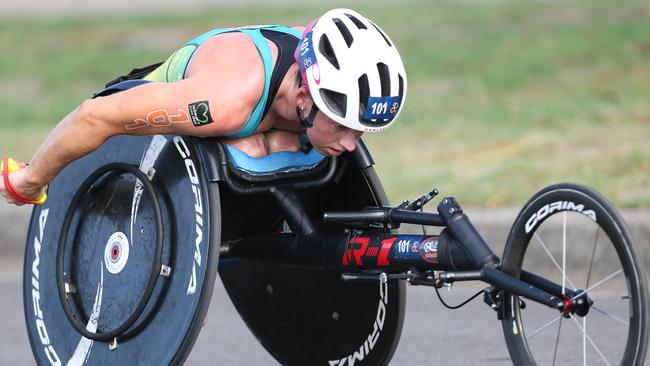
{"x": 352, "y": 71}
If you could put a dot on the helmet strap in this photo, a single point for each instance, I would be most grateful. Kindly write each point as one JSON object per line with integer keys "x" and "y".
{"x": 305, "y": 145}
{"x": 307, "y": 122}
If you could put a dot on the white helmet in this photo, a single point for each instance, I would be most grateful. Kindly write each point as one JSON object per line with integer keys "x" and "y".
{"x": 352, "y": 70}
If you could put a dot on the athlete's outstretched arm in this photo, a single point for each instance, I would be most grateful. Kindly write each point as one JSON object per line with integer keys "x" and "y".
{"x": 187, "y": 107}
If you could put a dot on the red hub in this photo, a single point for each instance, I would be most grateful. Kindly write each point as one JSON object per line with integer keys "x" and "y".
{"x": 568, "y": 305}
{"x": 115, "y": 252}
{"x": 579, "y": 306}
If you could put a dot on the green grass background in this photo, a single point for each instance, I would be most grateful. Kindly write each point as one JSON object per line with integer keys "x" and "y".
{"x": 504, "y": 96}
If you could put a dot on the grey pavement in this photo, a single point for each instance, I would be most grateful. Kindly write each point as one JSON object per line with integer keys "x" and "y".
{"x": 432, "y": 335}
{"x": 225, "y": 340}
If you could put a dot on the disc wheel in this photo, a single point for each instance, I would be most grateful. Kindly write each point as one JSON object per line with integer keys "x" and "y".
{"x": 574, "y": 237}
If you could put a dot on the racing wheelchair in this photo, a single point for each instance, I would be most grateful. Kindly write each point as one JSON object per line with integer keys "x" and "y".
{"x": 124, "y": 255}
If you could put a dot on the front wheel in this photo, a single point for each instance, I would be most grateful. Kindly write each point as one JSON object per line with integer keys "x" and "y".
{"x": 573, "y": 236}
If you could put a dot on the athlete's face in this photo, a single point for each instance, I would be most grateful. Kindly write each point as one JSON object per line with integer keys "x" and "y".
{"x": 331, "y": 138}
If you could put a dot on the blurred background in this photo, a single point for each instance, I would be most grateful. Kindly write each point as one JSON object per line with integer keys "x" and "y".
{"x": 504, "y": 96}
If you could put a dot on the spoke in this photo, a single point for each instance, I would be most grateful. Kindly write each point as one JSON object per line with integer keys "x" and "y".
{"x": 611, "y": 316}
{"x": 599, "y": 283}
{"x": 557, "y": 265}
{"x": 593, "y": 255}
{"x": 591, "y": 341}
{"x": 564, "y": 253}
{"x": 584, "y": 341}
{"x": 544, "y": 327}
{"x": 557, "y": 340}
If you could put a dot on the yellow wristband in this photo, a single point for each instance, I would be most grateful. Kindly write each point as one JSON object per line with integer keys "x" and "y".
{"x": 13, "y": 166}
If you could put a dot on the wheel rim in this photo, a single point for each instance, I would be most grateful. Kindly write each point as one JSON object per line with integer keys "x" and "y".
{"x": 577, "y": 252}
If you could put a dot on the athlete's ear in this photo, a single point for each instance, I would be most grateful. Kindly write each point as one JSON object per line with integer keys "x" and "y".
{"x": 303, "y": 99}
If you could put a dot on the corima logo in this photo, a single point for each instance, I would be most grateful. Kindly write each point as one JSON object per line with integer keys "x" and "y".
{"x": 36, "y": 293}
{"x": 546, "y": 210}
{"x": 198, "y": 208}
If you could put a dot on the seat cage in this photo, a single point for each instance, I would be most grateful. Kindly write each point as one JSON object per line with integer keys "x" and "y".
{"x": 289, "y": 169}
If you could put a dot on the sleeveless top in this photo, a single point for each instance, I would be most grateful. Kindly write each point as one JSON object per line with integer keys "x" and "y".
{"x": 285, "y": 38}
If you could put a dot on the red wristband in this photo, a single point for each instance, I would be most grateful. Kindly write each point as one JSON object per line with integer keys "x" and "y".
{"x": 12, "y": 192}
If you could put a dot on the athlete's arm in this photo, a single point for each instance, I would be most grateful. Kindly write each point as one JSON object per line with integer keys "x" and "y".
{"x": 188, "y": 107}
{"x": 215, "y": 100}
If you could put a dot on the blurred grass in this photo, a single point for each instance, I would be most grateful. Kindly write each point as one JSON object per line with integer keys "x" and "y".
{"x": 504, "y": 96}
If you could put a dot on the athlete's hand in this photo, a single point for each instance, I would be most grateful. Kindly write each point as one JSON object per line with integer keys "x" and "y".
{"x": 20, "y": 183}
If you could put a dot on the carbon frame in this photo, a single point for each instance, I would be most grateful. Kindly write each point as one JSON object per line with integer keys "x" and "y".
{"x": 459, "y": 253}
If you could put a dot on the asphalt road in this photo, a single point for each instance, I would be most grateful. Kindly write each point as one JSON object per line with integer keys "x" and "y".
{"x": 432, "y": 335}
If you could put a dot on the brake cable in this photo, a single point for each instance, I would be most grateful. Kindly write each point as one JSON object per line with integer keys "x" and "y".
{"x": 456, "y": 306}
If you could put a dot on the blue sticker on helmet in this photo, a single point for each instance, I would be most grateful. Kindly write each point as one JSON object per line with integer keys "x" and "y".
{"x": 306, "y": 56}
{"x": 382, "y": 108}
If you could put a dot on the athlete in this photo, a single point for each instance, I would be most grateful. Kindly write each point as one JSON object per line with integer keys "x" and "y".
{"x": 262, "y": 88}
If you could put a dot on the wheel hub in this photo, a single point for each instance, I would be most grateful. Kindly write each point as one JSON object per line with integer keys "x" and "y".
{"x": 580, "y": 305}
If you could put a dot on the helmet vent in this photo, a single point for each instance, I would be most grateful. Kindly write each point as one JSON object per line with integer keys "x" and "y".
{"x": 401, "y": 87}
{"x": 336, "y": 102}
{"x": 345, "y": 32}
{"x": 364, "y": 94}
{"x": 325, "y": 47}
{"x": 356, "y": 21}
{"x": 384, "y": 79}
{"x": 382, "y": 34}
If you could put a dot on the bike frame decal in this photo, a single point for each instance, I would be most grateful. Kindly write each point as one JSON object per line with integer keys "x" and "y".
{"x": 386, "y": 245}
{"x": 354, "y": 255}
{"x": 360, "y": 247}
{"x": 393, "y": 252}
{"x": 407, "y": 248}
{"x": 429, "y": 250}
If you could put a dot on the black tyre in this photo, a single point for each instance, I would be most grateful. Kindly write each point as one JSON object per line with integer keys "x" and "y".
{"x": 574, "y": 237}
{"x": 110, "y": 253}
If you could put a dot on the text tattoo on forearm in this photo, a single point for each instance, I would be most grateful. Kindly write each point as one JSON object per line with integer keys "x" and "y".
{"x": 159, "y": 118}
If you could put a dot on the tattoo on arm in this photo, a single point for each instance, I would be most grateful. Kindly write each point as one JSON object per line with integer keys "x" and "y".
{"x": 200, "y": 113}
{"x": 158, "y": 118}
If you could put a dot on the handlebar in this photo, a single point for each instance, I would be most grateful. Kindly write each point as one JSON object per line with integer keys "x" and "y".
{"x": 385, "y": 215}
{"x": 450, "y": 214}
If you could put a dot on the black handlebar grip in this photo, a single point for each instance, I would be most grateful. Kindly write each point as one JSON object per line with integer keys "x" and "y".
{"x": 354, "y": 216}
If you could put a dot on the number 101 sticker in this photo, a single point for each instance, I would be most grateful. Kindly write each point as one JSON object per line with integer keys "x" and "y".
{"x": 382, "y": 108}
